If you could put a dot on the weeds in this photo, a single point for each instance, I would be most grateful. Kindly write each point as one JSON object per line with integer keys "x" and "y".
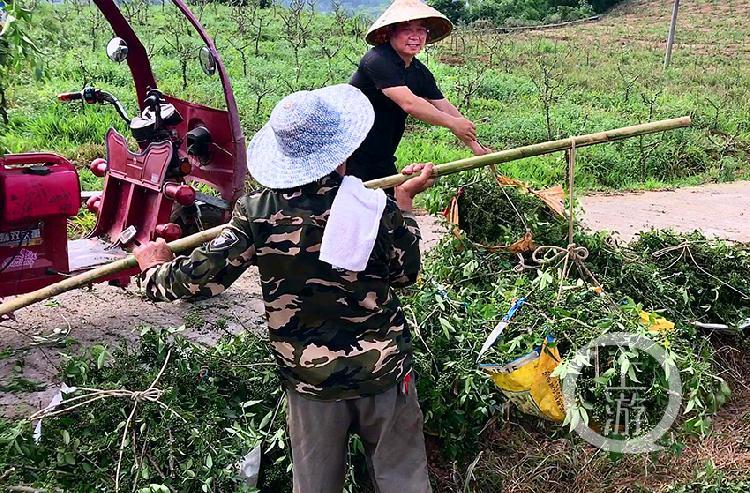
{"x": 81, "y": 225}
{"x": 712, "y": 480}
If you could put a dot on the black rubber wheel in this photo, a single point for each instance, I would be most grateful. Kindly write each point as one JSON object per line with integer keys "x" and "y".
{"x": 186, "y": 217}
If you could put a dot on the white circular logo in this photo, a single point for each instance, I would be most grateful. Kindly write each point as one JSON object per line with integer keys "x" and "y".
{"x": 642, "y": 443}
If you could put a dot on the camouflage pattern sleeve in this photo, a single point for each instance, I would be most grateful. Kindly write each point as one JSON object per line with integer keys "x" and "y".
{"x": 209, "y": 270}
{"x": 405, "y": 257}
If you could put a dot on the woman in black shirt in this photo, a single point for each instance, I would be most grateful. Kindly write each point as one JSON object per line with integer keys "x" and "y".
{"x": 398, "y": 84}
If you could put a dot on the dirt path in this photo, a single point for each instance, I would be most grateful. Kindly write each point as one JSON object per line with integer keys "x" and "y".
{"x": 721, "y": 210}
{"x": 31, "y": 346}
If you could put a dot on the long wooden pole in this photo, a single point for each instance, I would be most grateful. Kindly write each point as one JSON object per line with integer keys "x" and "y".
{"x": 539, "y": 149}
{"x": 193, "y": 241}
{"x": 93, "y": 275}
{"x": 670, "y": 37}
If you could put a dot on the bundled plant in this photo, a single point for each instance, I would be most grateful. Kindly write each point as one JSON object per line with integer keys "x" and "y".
{"x": 215, "y": 406}
{"x": 712, "y": 276}
{"x": 493, "y": 214}
{"x": 466, "y": 289}
{"x": 688, "y": 276}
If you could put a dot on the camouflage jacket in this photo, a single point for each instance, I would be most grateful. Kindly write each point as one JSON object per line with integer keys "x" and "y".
{"x": 336, "y": 334}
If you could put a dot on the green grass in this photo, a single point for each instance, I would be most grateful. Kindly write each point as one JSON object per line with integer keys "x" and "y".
{"x": 609, "y": 75}
{"x": 712, "y": 480}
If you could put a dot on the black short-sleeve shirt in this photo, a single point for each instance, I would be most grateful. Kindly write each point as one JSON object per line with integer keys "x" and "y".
{"x": 379, "y": 69}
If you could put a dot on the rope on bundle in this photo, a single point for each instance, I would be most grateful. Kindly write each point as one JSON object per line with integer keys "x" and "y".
{"x": 89, "y": 396}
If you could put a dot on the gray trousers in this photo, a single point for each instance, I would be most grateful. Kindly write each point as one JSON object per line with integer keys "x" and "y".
{"x": 390, "y": 426}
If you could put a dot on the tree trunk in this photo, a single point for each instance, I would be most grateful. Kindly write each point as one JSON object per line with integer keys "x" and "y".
{"x": 3, "y": 105}
{"x": 257, "y": 39}
{"x": 184, "y": 65}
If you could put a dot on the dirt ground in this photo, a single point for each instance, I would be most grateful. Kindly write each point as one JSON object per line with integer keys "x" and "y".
{"x": 645, "y": 23}
{"x": 720, "y": 210}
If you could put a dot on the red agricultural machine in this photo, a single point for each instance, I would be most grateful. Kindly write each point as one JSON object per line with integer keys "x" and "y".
{"x": 148, "y": 193}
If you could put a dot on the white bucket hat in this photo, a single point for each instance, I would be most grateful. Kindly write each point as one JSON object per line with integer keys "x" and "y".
{"x": 309, "y": 134}
{"x": 439, "y": 26}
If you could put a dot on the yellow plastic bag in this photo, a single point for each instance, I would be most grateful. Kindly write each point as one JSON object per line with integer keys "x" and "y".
{"x": 527, "y": 383}
{"x": 655, "y": 322}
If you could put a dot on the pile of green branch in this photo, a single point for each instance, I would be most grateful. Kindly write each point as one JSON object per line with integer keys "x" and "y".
{"x": 465, "y": 294}
{"x": 466, "y": 289}
{"x": 689, "y": 276}
{"x": 218, "y": 404}
{"x": 495, "y": 215}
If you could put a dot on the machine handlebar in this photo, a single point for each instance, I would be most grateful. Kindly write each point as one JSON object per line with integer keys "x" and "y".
{"x": 70, "y": 96}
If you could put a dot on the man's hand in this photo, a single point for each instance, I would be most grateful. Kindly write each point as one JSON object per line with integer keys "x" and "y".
{"x": 153, "y": 253}
{"x": 478, "y": 149}
{"x": 463, "y": 129}
{"x": 406, "y": 192}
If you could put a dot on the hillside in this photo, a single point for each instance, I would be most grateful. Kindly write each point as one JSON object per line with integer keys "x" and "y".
{"x": 599, "y": 75}
{"x": 715, "y": 32}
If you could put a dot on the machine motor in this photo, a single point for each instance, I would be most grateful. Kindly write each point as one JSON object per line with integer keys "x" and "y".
{"x": 38, "y": 193}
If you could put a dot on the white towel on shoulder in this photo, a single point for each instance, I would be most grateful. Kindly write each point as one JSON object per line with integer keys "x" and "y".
{"x": 349, "y": 235}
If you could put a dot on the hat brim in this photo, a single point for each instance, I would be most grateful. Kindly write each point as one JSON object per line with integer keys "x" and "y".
{"x": 439, "y": 28}
{"x": 271, "y": 167}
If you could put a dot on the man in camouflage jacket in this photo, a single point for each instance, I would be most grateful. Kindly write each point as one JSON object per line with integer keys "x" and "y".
{"x": 339, "y": 337}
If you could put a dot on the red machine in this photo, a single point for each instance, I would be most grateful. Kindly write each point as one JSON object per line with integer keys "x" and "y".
{"x": 148, "y": 192}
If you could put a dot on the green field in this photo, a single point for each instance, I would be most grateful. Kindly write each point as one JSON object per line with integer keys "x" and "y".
{"x": 598, "y": 76}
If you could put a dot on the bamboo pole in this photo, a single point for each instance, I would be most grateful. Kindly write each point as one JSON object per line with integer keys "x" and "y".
{"x": 193, "y": 241}
{"x": 539, "y": 149}
{"x": 93, "y": 275}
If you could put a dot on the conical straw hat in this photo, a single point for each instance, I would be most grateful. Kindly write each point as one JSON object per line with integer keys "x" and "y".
{"x": 405, "y": 11}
